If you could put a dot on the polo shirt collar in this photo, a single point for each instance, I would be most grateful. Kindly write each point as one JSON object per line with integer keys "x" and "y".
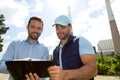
{"x": 36, "y": 42}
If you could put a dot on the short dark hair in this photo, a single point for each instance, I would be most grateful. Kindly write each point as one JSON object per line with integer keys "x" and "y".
{"x": 35, "y": 18}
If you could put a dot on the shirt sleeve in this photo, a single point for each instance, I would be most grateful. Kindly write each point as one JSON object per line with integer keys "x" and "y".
{"x": 8, "y": 55}
{"x": 85, "y": 47}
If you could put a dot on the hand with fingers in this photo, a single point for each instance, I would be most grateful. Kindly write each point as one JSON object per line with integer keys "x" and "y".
{"x": 55, "y": 72}
{"x": 31, "y": 76}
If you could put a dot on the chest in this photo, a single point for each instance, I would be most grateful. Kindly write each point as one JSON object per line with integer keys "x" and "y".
{"x": 25, "y": 51}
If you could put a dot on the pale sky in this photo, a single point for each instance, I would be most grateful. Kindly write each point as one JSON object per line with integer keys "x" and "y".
{"x": 89, "y": 19}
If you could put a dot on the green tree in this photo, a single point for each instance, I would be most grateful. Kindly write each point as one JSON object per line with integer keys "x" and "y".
{"x": 3, "y": 30}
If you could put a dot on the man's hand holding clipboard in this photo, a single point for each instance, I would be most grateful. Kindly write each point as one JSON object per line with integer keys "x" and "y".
{"x": 18, "y": 69}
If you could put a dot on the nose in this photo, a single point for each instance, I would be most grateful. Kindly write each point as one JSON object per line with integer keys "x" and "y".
{"x": 36, "y": 30}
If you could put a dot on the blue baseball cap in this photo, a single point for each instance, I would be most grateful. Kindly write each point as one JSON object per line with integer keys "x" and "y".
{"x": 62, "y": 20}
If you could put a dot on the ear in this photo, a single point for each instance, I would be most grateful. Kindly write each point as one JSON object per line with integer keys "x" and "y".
{"x": 27, "y": 27}
{"x": 42, "y": 29}
{"x": 70, "y": 27}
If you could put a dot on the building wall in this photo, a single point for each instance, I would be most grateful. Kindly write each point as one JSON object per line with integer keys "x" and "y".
{"x": 105, "y": 46}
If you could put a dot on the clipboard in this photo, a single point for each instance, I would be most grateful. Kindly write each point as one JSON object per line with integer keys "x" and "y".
{"x": 18, "y": 69}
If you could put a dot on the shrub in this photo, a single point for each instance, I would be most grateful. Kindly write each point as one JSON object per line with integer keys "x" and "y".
{"x": 102, "y": 69}
{"x": 109, "y": 65}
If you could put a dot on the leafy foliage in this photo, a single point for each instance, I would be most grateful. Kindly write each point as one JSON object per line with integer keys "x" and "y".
{"x": 117, "y": 68}
{"x": 111, "y": 65}
{"x": 3, "y": 30}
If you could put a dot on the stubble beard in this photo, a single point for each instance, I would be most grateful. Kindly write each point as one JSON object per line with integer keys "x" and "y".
{"x": 65, "y": 36}
{"x": 33, "y": 38}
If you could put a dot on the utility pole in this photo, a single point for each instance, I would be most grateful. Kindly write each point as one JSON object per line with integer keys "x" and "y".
{"x": 69, "y": 15}
{"x": 113, "y": 27}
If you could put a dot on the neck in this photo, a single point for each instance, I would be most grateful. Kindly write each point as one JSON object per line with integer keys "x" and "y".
{"x": 31, "y": 41}
{"x": 63, "y": 42}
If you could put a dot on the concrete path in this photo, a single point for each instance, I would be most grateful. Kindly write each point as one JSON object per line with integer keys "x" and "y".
{"x": 99, "y": 77}
{"x": 102, "y": 77}
{"x": 4, "y": 76}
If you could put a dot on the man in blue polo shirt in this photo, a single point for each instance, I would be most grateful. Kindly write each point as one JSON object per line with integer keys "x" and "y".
{"x": 29, "y": 48}
{"x": 74, "y": 57}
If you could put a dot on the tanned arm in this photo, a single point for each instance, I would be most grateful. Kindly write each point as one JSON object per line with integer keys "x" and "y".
{"x": 88, "y": 71}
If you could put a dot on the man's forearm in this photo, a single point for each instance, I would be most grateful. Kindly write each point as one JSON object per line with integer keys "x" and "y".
{"x": 83, "y": 73}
